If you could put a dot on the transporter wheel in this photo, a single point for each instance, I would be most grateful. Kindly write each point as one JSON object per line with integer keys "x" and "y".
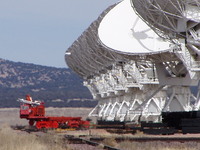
{"x": 31, "y": 122}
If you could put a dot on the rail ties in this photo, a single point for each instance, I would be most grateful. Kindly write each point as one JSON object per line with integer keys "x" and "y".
{"x": 110, "y": 148}
{"x": 96, "y": 144}
{"x": 163, "y": 139}
{"x": 98, "y": 141}
{"x": 90, "y": 142}
{"x": 76, "y": 140}
{"x": 136, "y": 139}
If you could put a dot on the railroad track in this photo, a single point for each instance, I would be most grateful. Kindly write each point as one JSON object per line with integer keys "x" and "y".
{"x": 91, "y": 141}
{"x": 97, "y": 141}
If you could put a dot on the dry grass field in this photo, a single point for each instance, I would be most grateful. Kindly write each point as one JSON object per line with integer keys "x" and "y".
{"x": 17, "y": 140}
{"x": 13, "y": 140}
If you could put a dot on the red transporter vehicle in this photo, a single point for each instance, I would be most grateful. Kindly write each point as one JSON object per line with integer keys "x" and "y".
{"x": 34, "y": 111}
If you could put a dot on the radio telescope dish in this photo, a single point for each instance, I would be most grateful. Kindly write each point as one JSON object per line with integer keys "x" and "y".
{"x": 170, "y": 18}
{"x": 123, "y": 31}
{"x": 140, "y": 58}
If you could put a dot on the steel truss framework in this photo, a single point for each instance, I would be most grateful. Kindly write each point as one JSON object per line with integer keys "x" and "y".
{"x": 139, "y": 87}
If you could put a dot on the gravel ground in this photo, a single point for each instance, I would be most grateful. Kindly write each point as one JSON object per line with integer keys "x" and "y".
{"x": 10, "y": 116}
{"x": 84, "y": 147}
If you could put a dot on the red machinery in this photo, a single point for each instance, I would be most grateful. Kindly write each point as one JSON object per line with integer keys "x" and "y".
{"x": 35, "y": 113}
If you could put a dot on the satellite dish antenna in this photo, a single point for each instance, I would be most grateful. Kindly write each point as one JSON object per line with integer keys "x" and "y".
{"x": 123, "y": 31}
{"x": 140, "y": 58}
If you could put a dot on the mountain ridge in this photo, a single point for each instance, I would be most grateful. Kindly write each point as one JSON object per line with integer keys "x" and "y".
{"x": 54, "y": 86}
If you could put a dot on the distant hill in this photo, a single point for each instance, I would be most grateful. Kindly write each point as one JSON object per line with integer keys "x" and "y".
{"x": 58, "y": 87}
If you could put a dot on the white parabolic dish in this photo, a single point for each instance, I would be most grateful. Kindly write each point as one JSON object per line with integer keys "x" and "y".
{"x": 123, "y": 31}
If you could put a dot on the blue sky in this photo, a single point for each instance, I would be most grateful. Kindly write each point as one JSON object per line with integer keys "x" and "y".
{"x": 40, "y": 31}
